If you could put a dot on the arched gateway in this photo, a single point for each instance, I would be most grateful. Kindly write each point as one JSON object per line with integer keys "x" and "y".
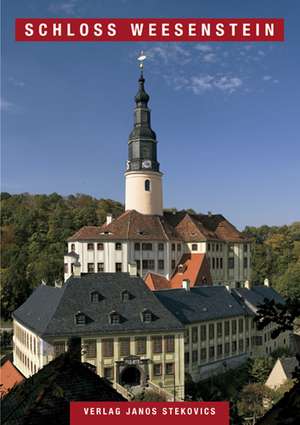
{"x": 132, "y": 371}
{"x": 130, "y": 376}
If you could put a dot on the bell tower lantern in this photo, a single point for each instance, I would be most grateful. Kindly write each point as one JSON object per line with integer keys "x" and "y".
{"x": 143, "y": 179}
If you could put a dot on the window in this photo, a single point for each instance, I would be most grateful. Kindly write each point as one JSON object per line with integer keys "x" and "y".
{"x": 95, "y": 297}
{"x": 107, "y": 347}
{"x": 219, "y": 350}
{"x": 137, "y": 246}
{"x": 161, "y": 264}
{"x": 247, "y": 324}
{"x": 125, "y": 296}
{"x": 203, "y": 332}
{"x": 173, "y": 247}
{"x": 194, "y": 247}
{"x": 217, "y": 247}
{"x": 90, "y": 246}
{"x": 186, "y": 336}
{"x": 217, "y": 263}
{"x": 147, "y": 316}
{"x": 203, "y": 354}
{"x": 208, "y": 247}
{"x": 227, "y": 348}
{"x": 221, "y": 263}
{"x": 231, "y": 263}
{"x": 149, "y": 264}
{"x": 59, "y": 348}
{"x": 241, "y": 345}
{"x": 213, "y": 263}
{"x": 157, "y": 344}
{"x": 118, "y": 267}
{"x": 108, "y": 373}
{"x": 169, "y": 368}
{"x": 100, "y": 267}
{"x": 91, "y": 267}
{"x": 233, "y": 327}
{"x": 100, "y": 246}
{"x": 194, "y": 356}
{"x": 157, "y": 369}
{"x": 178, "y": 247}
{"x": 241, "y": 325}
{"x": 147, "y": 185}
{"x": 173, "y": 264}
{"x": 147, "y": 246}
{"x": 230, "y": 247}
{"x": 114, "y": 318}
{"x": 186, "y": 357}
{"x": 233, "y": 346}
{"x": 245, "y": 249}
{"x": 169, "y": 343}
{"x": 138, "y": 264}
{"x": 141, "y": 345}
{"x": 80, "y": 319}
{"x": 211, "y": 331}
{"x": 118, "y": 246}
{"x": 160, "y": 246}
{"x": 227, "y": 328}
{"x": 221, "y": 247}
{"x": 124, "y": 344}
{"x": 66, "y": 268}
{"x": 219, "y": 330}
{"x": 211, "y": 352}
{"x": 72, "y": 247}
{"x": 194, "y": 335}
{"x": 90, "y": 348}
{"x": 245, "y": 262}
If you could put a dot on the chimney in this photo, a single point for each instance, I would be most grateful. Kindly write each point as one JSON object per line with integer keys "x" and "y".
{"x": 77, "y": 269}
{"x": 132, "y": 269}
{"x": 247, "y": 284}
{"x": 109, "y": 218}
{"x": 74, "y": 348}
{"x": 266, "y": 282}
{"x": 186, "y": 284}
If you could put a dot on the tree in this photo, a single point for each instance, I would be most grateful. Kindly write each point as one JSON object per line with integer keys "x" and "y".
{"x": 261, "y": 369}
{"x": 254, "y": 401}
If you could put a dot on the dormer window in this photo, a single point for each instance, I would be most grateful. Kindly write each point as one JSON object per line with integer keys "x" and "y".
{"x": 126, "y": 295}
{"x": 95, "y": 297}
{"x": 147, "y": 316}
{"x": 118, "y": 246}
{"x": 80, "y": 318}
{"x": 114, "y": 318}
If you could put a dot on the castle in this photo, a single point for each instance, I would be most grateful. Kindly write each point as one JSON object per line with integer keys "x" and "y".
{"x": 152, "y": 295}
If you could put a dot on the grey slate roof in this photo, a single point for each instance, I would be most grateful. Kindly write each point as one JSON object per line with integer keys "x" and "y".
{"x": 51, "y": 311}
{"x": 256, "y": 296}
{"x": 289, "y": 365}
{"x": 200, "y": 304}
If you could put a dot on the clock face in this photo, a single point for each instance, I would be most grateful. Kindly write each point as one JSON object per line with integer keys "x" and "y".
{"x": 146, "y": 163}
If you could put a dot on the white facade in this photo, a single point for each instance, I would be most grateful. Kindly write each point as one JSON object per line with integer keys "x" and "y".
{"x": 143, "y": 192}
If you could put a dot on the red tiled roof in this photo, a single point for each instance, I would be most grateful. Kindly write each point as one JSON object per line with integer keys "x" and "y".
{"x": 9, "y": 377}
{"x": 156, "y": 281}
{"x": 132, "y": 225}
{"x": 195, "y": 268}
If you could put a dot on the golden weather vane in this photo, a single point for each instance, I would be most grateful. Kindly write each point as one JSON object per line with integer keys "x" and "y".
{"x": 141, "y": 60}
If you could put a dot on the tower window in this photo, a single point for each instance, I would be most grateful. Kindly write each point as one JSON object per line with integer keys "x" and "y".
{"x": 72, "y": 247}
{"x": 147, "y": 185}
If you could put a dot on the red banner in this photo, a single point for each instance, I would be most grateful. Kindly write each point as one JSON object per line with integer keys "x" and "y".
{"x": 175, "y": 29}
{"x": 135, "y": 413}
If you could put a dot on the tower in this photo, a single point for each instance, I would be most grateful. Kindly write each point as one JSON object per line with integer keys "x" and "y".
{"x": 143, "y": 180}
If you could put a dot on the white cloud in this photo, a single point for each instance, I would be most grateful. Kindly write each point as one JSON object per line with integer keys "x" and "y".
{"x": 267, "y": 77}
{"x": 210, "y": 58}
{"x": 68, "y": 7}
{"x": 204, "y": 48}
{"x": 203, "y": 83}
{"x": 5, "y": 105}
{"x": 168, "y": 53}
{"x": 15, "y": 82}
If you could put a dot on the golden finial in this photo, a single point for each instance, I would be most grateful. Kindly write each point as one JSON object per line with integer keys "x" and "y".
{"x": 141, "y": 59}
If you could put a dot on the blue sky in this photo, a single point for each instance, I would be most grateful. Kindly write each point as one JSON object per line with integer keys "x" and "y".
{"x": 226, "y": 114}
